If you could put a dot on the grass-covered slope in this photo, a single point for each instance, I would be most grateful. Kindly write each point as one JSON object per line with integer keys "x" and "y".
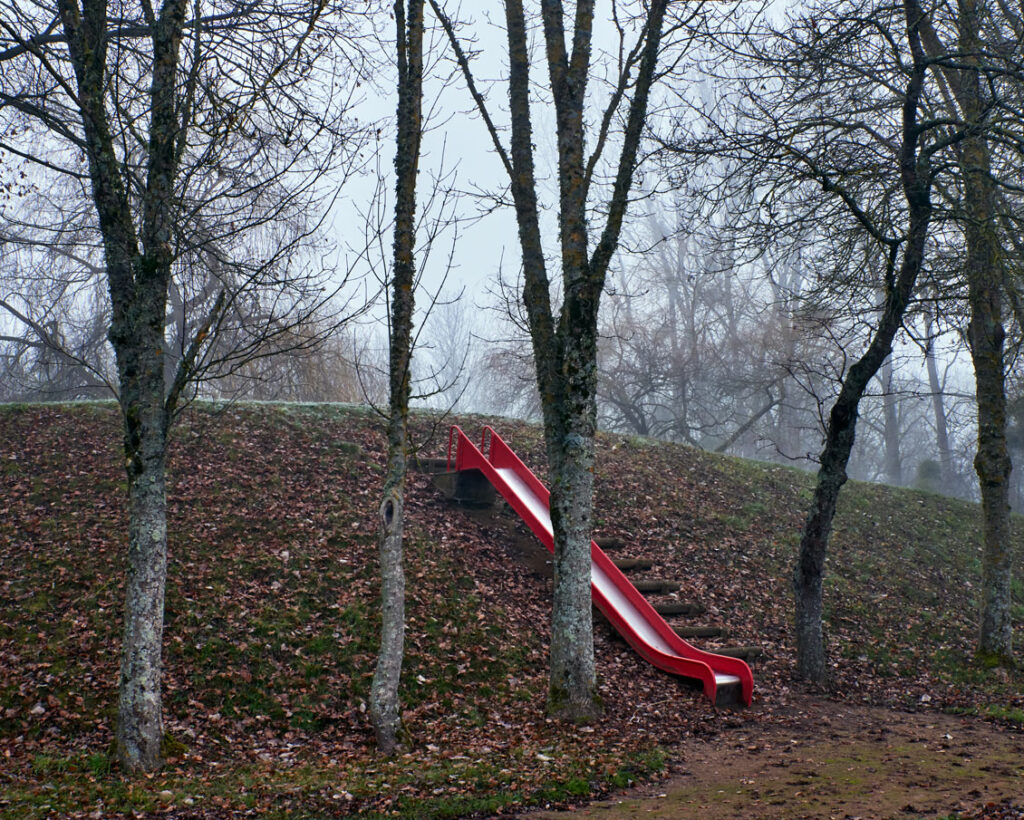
{"x": 272, "y": 617}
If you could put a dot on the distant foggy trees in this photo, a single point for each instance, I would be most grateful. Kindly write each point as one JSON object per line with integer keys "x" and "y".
{"x": 697, "y": 348}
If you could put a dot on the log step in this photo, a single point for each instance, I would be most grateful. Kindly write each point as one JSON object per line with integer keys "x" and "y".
{"x": 657, "y": 586}
{"x": 633, "y": 563}
{"x": 700, "y": 632}
{"x": 610, "y": 542}
{"x": 746, "y": 653}
{"x": 679, "y": 608}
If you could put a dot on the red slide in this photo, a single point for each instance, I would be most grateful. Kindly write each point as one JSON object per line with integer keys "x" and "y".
{"x": 620, "y": 602}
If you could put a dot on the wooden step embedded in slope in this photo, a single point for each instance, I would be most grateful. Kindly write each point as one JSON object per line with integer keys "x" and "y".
{"x": 744, "y": 653}
{"x": 428, "y": 464}
{"x": 670, "y": 608}
{"x": 610, "y": 542}
{"x": 657, "y": 587}
{"x": 700, "y": 632}
{"x": 627, "y": 564}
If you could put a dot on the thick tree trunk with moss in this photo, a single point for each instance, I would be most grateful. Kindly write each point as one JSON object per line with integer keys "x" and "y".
{"x": 565, "y": 351}
{"x": 384, "y": 703}
{"x": 964, "y": 81}
{"x": 135, "y": 135}
{"x": 385, "y": 708}
{"x": 983, "y": 272}
{"x": 138, "y": 272}
{"x": 839, "y": 439}
{"x": 140, "y": 720}
{"x": 570, "y": 434}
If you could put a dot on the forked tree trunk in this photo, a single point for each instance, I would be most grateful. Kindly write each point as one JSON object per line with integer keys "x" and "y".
{"x": 565, "y": 348}
{"x": 138, "y": 267}
{"x": 983, "y": 271}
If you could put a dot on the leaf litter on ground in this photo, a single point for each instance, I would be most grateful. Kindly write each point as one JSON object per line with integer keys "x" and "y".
{"x": 271, "y": 621}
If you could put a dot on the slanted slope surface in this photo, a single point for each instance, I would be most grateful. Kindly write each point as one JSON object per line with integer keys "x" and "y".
{"x": 272, "y": 602}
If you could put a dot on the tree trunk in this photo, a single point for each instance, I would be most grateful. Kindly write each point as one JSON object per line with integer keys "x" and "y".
{"x": 572, "y": 688}
{"x": 565, "y": 351}
{"x": 839, "y": 436}
{"x": 385, "y": 712}
{"x": 810, "y": 566}
{"x": 982, "y": 269}
{"x": 139, "y": 714}
{"x": 137, "y": 281}
{"x": 384, "y": 703}
{"x": 136, "y": 333}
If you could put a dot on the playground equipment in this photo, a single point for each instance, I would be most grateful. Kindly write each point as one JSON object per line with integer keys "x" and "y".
{"x": 724, "y": 679}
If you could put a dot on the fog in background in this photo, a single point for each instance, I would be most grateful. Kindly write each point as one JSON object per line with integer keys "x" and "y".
{"x": 711, "y": 335}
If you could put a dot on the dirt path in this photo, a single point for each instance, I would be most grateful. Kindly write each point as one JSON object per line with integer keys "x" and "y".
{"x": 832, "y": 760}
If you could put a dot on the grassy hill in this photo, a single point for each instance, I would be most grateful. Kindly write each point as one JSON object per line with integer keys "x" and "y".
{"x": 272, "y": 617}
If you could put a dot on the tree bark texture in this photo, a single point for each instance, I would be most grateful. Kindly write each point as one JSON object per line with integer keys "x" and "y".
{"x": 385, "y": 711}
{"x": 139, "y": 713}
{"x": 982, "y": 269}
{"x": 138, "y": 272}
{"x": 384, "y": 702}
{"x": 566, "y": 351}
{"x": 570, "y": 433}
{"x": 840, "y": 433}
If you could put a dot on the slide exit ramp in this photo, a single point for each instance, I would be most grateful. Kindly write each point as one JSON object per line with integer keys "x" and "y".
{"x": 621, "y": 603}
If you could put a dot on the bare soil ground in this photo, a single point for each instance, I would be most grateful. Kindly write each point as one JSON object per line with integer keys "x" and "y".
{"x": 821, "y": 759}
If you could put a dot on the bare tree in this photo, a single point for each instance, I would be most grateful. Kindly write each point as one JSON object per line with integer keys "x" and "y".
{"x": 565, "y": 343}
{"x": 985, "y": 295}
{"x": 834, "y": 104}
{"x": 900, "y": 277}
{"x": 384, "y": 702}
{"x": 192, "y": 137}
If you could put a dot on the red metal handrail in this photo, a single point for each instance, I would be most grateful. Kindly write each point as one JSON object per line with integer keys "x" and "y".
{"x": 453, "y": 430}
